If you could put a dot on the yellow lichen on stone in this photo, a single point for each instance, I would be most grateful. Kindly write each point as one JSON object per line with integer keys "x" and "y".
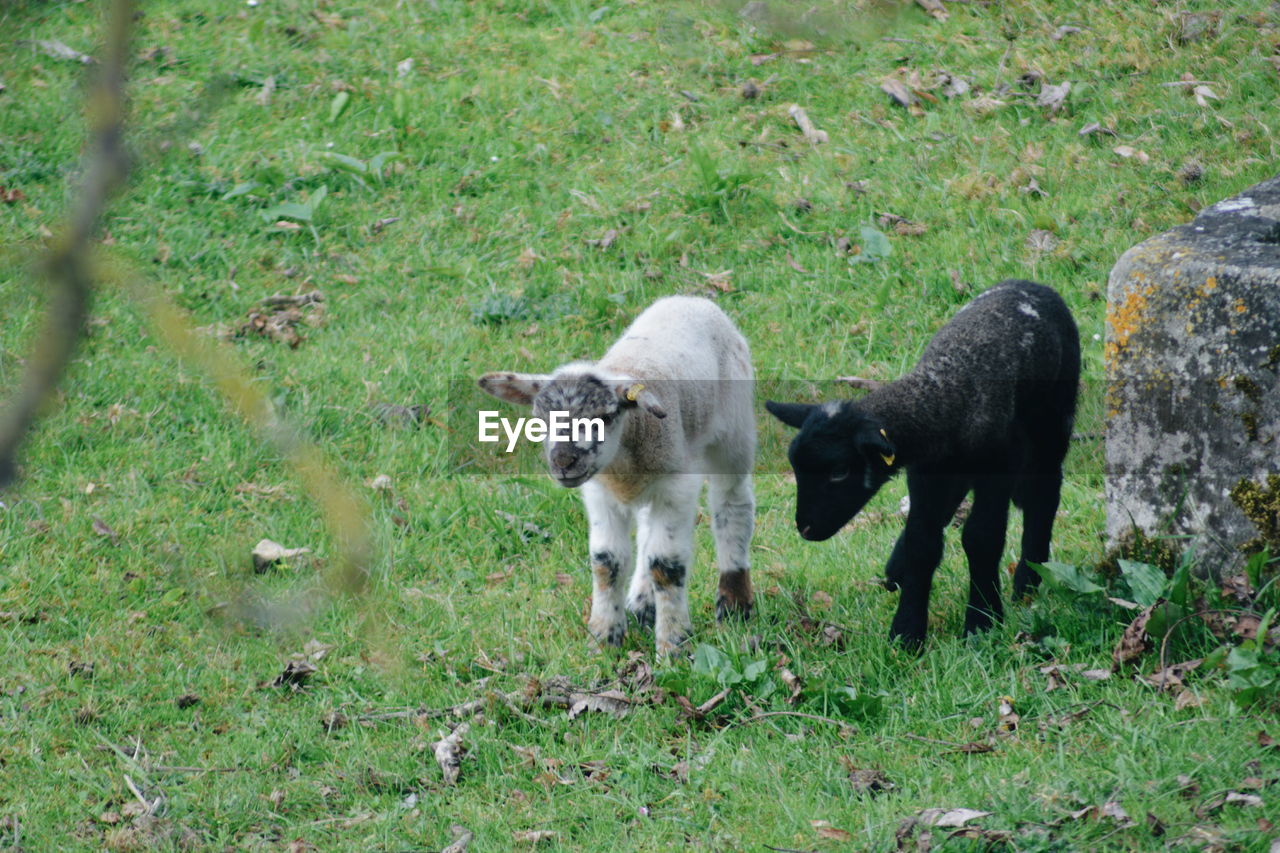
{"x": 1124, "y": 318}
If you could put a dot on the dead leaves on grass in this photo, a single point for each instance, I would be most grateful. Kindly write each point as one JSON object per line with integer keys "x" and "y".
{"x": 449, "y": 751}
{"x": 281, "y": 315}
{"x": 268, "y": 553}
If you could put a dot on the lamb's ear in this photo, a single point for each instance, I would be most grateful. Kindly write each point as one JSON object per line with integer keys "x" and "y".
{"x": 880, "y": 452}
{"x": 632, "y": 394}
{"x": 518, "y": 388}
{"x": 791, "y": 414}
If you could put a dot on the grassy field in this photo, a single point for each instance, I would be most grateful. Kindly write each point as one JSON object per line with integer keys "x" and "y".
{"x": 503, "y": 185}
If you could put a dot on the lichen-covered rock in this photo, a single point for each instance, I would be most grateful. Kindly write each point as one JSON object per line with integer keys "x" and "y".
{"x": 1193, "y": 383}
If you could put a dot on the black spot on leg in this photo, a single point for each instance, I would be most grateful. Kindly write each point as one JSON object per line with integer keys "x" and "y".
{"x": 667, "y": 572}
{"x": 610, "y": 563}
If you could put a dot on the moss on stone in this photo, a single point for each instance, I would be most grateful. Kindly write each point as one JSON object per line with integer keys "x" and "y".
{"x": 1248, "y": 388}
{"x": 1140, "y": 548}
{"x": 1261, "y": 505}
{"x": 1273, "y": 358}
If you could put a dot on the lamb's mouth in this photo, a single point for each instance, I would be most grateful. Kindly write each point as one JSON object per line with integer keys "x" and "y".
{"x": 570, "y": 481}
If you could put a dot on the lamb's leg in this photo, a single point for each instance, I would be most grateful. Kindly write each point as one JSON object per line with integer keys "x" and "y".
{"x": 915, "y": 557}
{"x": 733, "y": 509}
{"x": 1040, "y": 495}
{"x": 640, "y": 596}
{"x": 666, "y": 540}
{"x": 983, "y": 540}
{"x": 609, "y": 541}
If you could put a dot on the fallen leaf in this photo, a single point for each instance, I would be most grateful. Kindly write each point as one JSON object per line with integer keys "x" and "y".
{"x": 868, "y": 781}
{"x": 901, "y": 225}
{"x": 811, "y": 134}
{"x": 792, "y": 682}
{"x": 391, "y": 414}
{"x": 1052, "y": 97}
{"x": 700, "y": 712}
{"x": 934, "y": 9}
{"x": 991, "y": 838}
{"x": 949, "y": 817}
{"x": 1196, "y": 26}
{"x": 1129, "y": 152}
{"x": 1065, "y": 30}
{"x": 534, "y": 836}
{"x": 1135, "y": 642}
{"x": 101, "y": 528}
{"x": 295, "y": 674}
{"x": 983, "y": 105}
{"x": 973, "y": 748}
{"x": 380, "y": 483}
{"x": 1008, "y": 721}
{"x": 607, "y": 240}
{"x": 1203, "y": 94}
{"x": 720, "y": 281}
{"x": 1171, "y": 676}
{"x": 1187, "y": 699}
{"x": 953, "y": 86}
{"x": 1042, "y": 241}
{"x": 461, "y": 839}
{"x": 898, "y": 92}
{"x": 1093, "y": 127}
{"x": 1229, "y": 798}
{"x": 333, "y": 721}
{"x": 449, "y": 751}
{"x": 829, "y": 832}
{"x": 267, "y": 553}
{"x": 612, "y": 702}
{"x": 57, "y": 50}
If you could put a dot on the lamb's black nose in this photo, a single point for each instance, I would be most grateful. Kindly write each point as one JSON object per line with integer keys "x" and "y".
{"x": 562, "y": 457}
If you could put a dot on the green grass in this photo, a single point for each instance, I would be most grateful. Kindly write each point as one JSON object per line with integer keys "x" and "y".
{"x": 525, "y": 130}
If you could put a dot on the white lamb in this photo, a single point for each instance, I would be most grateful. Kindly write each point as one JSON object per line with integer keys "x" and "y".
{"x": 675, "y": 397}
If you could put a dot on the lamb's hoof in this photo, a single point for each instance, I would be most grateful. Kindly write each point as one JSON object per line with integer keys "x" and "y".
{"x": 672, "y": 643}
{"x": 912, "y": 642}
{"x": 610, "y": 635}
{"x": 731, "y": 609}
{"x": 1025, "y": 581}
{"x": 644, "y": 614}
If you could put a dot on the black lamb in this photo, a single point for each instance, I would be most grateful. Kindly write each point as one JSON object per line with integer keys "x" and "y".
{"x": 988, "y": 408}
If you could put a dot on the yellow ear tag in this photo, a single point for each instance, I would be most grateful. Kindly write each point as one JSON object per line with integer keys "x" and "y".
{"x": 634, "y": 391}
{"x": 887, "y": 457}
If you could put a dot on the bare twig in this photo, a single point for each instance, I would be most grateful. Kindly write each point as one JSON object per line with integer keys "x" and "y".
{"x": 816, "y": 718}
{"x": 66, "y": 266}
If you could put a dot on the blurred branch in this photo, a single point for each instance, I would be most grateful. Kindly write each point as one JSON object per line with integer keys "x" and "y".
{"x": 66, "y": 266}
{"x": 343, "y": 513}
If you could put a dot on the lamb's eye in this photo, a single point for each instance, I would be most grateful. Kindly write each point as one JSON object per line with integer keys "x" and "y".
{"x": 838, "y": 475}
{"x": 608, "y": 419}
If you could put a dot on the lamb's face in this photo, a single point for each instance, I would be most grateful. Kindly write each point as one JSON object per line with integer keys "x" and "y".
{"x": 840, "y": 462}
{"x": 832, "y": 485}
{"x": 590, "y": 447}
